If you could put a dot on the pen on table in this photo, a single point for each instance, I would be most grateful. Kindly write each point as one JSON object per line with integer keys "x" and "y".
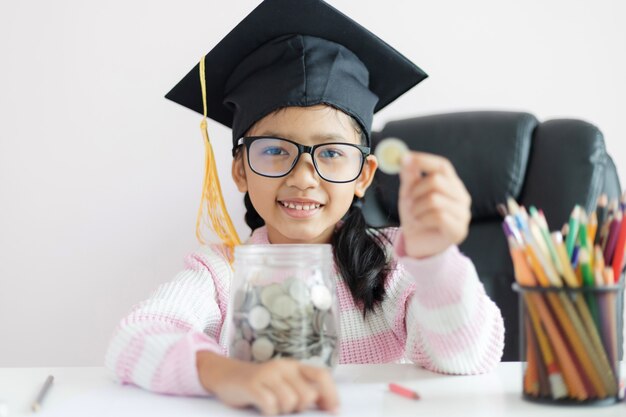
{"x": 42, "y": 393}
{"x": 404, "y": 392}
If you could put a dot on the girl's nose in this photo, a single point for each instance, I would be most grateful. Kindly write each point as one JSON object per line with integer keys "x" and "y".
{"x": 303, "y": 174}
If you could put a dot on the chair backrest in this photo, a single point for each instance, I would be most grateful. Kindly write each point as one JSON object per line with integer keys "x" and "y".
{"x": 552, "y": 165}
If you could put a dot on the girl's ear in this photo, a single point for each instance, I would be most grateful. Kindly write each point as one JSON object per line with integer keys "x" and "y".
{"x": 367, "y": 176}
{"x": 239, "y": 172}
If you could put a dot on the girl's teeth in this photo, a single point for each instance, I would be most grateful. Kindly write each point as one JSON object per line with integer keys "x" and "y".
{"x": 300, "y": 207}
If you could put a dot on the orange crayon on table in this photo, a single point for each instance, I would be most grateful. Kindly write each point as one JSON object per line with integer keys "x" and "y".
{"x": 403, "y": 391}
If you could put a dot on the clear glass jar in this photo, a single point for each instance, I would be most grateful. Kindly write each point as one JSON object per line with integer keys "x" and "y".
{"x": 283, "y": 304}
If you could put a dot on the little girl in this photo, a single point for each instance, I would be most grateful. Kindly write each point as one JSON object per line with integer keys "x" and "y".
{"x": 299, "y": 82}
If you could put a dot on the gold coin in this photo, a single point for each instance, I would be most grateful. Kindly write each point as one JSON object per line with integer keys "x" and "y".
{"x": 389, "y": 153}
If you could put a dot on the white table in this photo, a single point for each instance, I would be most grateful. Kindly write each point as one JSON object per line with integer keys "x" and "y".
{"x": 90, "y": 392}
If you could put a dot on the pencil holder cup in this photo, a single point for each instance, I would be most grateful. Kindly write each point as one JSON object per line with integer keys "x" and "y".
{"x": 571, "y": 343}
{"x": 283, "y": 304}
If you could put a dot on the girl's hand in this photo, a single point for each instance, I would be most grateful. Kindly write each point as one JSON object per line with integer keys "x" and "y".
{"x": 434, "y": 206}
{"x": 279, "y": 386}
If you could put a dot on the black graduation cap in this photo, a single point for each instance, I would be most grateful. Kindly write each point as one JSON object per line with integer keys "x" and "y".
{"x": 296, "y": 53}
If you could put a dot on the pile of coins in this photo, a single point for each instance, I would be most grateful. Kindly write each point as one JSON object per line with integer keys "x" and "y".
{"x": 289, "y": 319}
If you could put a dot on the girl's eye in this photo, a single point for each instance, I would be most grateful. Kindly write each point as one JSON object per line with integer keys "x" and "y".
{"x": 274, "y": 151}
{"x": 330, "y": 153}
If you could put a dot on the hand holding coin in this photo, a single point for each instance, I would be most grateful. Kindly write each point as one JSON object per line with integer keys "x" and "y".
{"x": 434, "y": 205}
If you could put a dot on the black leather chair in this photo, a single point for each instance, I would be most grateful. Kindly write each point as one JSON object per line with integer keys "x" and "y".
{"x": 552, "y": 165}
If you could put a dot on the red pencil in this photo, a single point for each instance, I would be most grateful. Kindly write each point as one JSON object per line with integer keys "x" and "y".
{"x": 618, "y": 254}
{"x": 405, "y": 392}
{"x": 611, "y": 240}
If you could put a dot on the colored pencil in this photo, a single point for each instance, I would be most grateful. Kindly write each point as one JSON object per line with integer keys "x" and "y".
{"x": 531, "y": 376}
{"x": 536, "y": 309}
{"x": 568, "y": 272}
{"x": 592, "y": 227}
{"x": 619, "y": 251}
{"x": 573, "y": 231}
{"x": 611, "y": 325}
{"x": 574, "y": 333}
{"x": 611, "y": 241}
{"x": 601, "y": 211}
{"x": 612, "y": 210}
{"x": 580, "y": 343}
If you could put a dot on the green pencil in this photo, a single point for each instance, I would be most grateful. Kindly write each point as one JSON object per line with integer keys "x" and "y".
{"x": 573, "y": 231}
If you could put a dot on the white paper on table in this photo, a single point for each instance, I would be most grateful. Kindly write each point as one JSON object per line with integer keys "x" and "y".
{"x": 362, "y": 400}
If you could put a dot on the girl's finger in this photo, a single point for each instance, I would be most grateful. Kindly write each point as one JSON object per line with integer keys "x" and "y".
{"x": 307, "y": 394}
{"x": 436, "y": 183}
{"x": 328, "y": 399}
{"x": 428, "y": 202}
{"x": 287, "y": 397}
{"x": 451, "y": 225}
{"x": 264, "y": 400}
{"x": 417, "y": 163}
{"x": 418, "y": 186}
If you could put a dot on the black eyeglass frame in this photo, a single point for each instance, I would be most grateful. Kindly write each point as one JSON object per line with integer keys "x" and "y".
{"x": 248, "y": 140}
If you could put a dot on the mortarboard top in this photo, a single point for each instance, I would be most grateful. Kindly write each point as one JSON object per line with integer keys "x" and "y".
{"x": 296, "y": 53}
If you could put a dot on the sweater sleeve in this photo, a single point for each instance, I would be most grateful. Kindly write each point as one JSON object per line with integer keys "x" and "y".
{"x": 451, "y": 324}
{"x": 155, "y": 346}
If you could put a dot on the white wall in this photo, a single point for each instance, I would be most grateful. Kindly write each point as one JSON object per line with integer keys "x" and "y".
{"x": 100, "y": 175}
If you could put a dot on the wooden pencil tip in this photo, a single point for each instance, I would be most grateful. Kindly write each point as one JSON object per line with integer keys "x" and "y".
{"x": 502, "y": 210}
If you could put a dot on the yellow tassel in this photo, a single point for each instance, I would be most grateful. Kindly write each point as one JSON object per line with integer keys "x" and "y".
{"x": 212, "y": 203}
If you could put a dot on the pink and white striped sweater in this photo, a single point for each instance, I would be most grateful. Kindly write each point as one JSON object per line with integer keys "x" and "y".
{"x": 435, "y": 314}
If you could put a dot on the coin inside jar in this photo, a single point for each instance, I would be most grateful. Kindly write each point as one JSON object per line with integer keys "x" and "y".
{"x": 262, "y": 349}
{"x": 283, "y": 306}
{"x": 321, "y": 298}
{"x": 269, "y": 294}
{"x": 286, "y": 319}
{"x": 259, "y": 318}
{"x": 299, "y": 292}
{"x": 242, "y": 350}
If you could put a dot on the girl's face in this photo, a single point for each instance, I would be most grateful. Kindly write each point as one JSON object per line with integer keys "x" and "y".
{"x": 302, "y": 186}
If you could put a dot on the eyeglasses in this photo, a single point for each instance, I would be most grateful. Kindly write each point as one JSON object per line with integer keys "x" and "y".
{"x": 276, "y": 157}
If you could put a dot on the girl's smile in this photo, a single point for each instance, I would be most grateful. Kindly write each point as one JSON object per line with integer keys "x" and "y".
{"x": 300, "y": 208}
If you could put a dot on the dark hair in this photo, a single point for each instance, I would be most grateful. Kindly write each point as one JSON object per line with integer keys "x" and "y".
{"x": 358, "y": 249}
